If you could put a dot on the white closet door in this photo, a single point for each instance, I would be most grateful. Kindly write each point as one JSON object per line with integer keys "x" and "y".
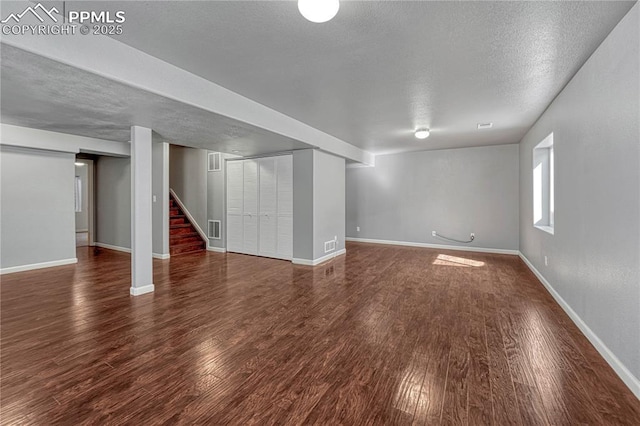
{"x": 268, "y": 207}
{"x": 284, "y": 239}
{"x": 235, "y": 182}
{"x": 250, "y": 210}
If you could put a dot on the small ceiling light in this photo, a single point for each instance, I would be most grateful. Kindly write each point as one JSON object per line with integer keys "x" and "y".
{"x": 79, "y": 164}
{"x": 318, "y": 11}
{"x": 422, "y": 133}
{"x": 482, "y": 126}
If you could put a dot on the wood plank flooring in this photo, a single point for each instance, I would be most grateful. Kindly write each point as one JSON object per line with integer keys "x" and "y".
{"x": 383, "y": 335}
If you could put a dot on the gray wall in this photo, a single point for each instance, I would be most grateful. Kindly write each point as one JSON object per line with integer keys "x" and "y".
{"x": 454, "y": 192}
{"x": 160, "y": 189}
{"x": 113, "y": 201}
{"x": 328, "y": 201}
{"x": 82, "y": 217}
{"x": 594, "y": 256}
{"x": 37, "y": 206}
{"x": 303, "y": 163}
{"x": 216, "y": 201}
{"x": 188, "y": 179}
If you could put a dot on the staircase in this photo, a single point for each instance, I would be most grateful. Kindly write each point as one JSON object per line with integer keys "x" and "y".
{"x": 183, "y": 237}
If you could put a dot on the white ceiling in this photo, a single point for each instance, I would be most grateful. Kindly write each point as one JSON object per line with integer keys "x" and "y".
{"x": 370, "y": 76}
{"x": 44, "y": 94}
{"x": 382, "y": 68}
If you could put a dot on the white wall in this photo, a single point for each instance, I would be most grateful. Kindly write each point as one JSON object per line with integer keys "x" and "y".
{"x": 113, "y": 201}
{"x": 160, "y": 189}
{"x": 454, "y": 192}
{"x": 37, "y": 207}
{"x": 303, "y": 204}
{"x": 188, "y": 179}
{"x": 328, "y": 201}
{"x": 318, "y": 203}
{"x": 594, "y": 255}
{"x": 216, "y": 200}
{"x": 82, "y": 217}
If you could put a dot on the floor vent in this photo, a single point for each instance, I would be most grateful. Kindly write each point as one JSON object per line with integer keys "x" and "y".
{"x": 329, "y": 246}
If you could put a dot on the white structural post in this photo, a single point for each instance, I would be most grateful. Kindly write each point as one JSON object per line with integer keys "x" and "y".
{"x": 141, "y": 219}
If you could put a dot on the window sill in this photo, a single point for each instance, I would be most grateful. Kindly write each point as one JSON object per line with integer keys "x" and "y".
{"x": 547, "y": 229}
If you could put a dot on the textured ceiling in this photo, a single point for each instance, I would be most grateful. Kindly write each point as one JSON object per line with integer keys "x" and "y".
{"x": 44, "y": 94}
{"x": 380, "y": 69}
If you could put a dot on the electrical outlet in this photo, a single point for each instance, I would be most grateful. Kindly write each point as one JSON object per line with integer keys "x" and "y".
{"x": 433, "y": 233}
{"x": 546, "y": 261}
{"x": 154, "y": 199}
{"x": 357, "y": 229}
{"x": 473, "y": 235}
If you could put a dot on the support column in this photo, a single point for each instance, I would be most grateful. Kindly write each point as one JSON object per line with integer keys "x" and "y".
{"x": 141, "y": 216}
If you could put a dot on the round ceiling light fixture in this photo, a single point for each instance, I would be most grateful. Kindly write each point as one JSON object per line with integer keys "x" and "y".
{"x": 318, "y": 11}
{"x": 422, "y": 133}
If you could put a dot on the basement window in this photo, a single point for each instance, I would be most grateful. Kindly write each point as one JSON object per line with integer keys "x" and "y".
{"x": 543, "y": 185}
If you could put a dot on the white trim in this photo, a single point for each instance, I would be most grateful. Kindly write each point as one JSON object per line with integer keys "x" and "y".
{"x": 319, "y": 260}
{"x": 137, "y": 291}
{"x": 21, "y": 268}
{"x": 217, "y": 249}
{"x": 621, "y": 370}
{"x": 545, "y": 228}
{"x": 434, "y": 246}
{"x": 128, "y": 250}
{"x": 191, "y": 219}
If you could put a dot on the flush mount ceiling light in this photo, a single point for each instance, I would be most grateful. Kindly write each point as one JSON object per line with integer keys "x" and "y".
{"x": 422, "y": 133}
{"x": 318, "y": 11}
{"x": 482, "y": 126}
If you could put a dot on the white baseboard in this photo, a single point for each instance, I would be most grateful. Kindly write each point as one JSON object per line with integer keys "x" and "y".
{"x": 621, "y": 370}
{"x": 128, "y": 250}
{"x": 217, "y": 249}
{"x": 137, "y": 291}
{"x": 434, "y": 246}
{"x": 319, "y": 260}
{"x": 32, "y": 266}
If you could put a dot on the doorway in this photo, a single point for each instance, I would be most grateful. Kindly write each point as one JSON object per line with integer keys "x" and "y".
{"x": 84, "y": 201}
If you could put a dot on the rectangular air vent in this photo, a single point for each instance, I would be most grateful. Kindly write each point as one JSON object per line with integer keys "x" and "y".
{"x": 215, "y": 229}
{"x": 215, "y": 162}
{"x": 329, "y": 246}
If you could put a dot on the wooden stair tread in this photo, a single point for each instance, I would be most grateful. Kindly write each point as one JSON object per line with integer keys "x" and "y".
{"x": 180, "y": 225}
{"x": 185, "y": 235}
{"x": 183, "y": 238}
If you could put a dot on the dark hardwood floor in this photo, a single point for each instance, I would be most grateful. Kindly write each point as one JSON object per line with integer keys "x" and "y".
{"x": 383, "y": 335}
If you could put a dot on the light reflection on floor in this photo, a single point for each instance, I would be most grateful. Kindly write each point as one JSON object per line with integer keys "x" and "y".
{"x": 446, "y": 260}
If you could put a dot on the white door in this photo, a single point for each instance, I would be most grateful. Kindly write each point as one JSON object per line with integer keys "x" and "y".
{"x": 268, "y": 207}
{"x": 284, "y": 167}
{"x": 235, "y": 182}
{"x": 250, "y": 210}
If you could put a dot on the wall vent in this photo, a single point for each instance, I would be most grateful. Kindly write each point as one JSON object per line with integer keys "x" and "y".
{"x": 214, "y": 230}
{"x": 215, "y": 162}
{"x": 329, "y": 246}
